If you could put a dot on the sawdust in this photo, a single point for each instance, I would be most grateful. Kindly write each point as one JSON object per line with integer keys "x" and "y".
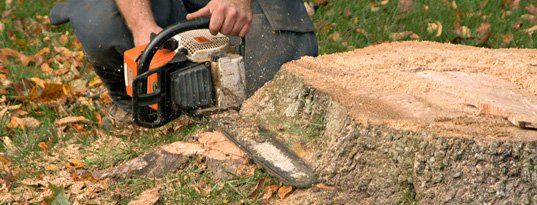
{"x": 475, "y": 92}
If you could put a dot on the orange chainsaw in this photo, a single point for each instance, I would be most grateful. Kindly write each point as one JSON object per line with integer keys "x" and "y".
{"x": 186, "y": 69}
{"x": 183, "y": 69}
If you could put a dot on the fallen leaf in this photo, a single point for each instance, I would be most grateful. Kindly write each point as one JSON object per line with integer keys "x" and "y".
{"x": 464, "y": 32}
{"x": 96, "y": 81}
{"x": 148, "y": 197}
{"x": 374, "y": 7}
{"x": 51, "y": 167}
{"x": 384, "y": 2}
{"x": 6, "y": 53}
{"x": 269, "y": 191}
{"x": 530, "y": 18}
{"x": 16, "y": 122}
{"x": 2, "y": 26}
{"x": 507, "y": 38}
{"x": 4, "y": 69}
{"x": 325, "y": 187}
{"x": 43, "y": 146}
{"x": 435, "y": 27}
{"x": 454, "y": 4}
{"x": 514, "y": 4}
{"x": 45, "y": 68}
{"x": 405, "y": 6}
{"x": 99, "y": 118}
{"x": 532, "y": 9}
{"x": 483, "y": 28}
{"x": 64, "y": 39}
{"x": 361, "y": 31}
{"x": 531, "y": 30}
{"x": 8, "y": 144}
{"x": 8, "y": 3}
{"x": 310, "y": 8}
{"x": 403, "y": 35}
{"x": 517, "y": 24}
{"x": 284, "y": 191}
{"x": 335, "y": 36}
{"x": 347, "y": 12}
{"x": 71, "y": 120}
{"x": 255, "y": 191}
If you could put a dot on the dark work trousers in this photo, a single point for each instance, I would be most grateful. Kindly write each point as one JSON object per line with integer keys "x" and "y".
{"x": 281, "y": 31}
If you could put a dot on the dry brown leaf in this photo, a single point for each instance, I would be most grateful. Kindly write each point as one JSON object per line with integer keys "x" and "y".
{"x": 405, "y": 6}
{"x": 16, "y": 122}
{"x": 45, "y": 68}
{"x": 335, "y": 36}
{"x": 384, "y": 2}
{"x": 8, "y": 3}
{"x": 464, "y": 32}
{"x": 310, "y": 9}
{"x": 325, "y": 187}
{"x": 78, "y": 127}
{"x": 435, "y": 27}
{"x": 454, "y": 4}
{"x": 514, "y": 4}
{"x": 43, "y": 146}
{"x": 148, "y": 197}
{"x": 51, "y": 167}
{"x": 4, "y": 69}
{"x": 284, "y": 191}
{"x": 255, "y": 191}
{"x": 531, "y": 30}
{"x": 71, "y": 120}
{"x": 64, "y": 39}
{"x": 96, "y": 81}
{"x": 506, "y": 39}
{"x": 8, "y": 144}
{"x": 6, "y": 53}
{"x": 99, "y": 118}
{"x": 483, "y": 28}
{"x": 532, "y": 9}
{"x": 374, "y": 7}
{"x": 269, "y": 191}
{"x": 403, "y": 35}
{"x": 347, "y": 12}
{"x": 3, "y": 76}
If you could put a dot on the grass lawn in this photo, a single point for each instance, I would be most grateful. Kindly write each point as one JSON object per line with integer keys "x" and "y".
{"x": 36, "y": 150}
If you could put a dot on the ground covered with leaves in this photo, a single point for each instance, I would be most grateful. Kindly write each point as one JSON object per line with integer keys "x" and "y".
{"x": 54, "y": 135}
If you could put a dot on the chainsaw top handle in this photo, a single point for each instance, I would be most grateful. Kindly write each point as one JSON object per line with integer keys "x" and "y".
{"x": 140, "y": 98}
{"x": 163, "y": 36}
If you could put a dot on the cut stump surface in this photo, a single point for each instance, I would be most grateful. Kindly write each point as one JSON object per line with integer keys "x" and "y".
{"x": 403, "y": 121}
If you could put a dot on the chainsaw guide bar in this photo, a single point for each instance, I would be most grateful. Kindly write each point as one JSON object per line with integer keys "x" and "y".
{"x": 265, "y": 150}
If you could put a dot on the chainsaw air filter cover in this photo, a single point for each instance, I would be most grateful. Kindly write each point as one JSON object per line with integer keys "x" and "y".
{"x": 201, "y": 44}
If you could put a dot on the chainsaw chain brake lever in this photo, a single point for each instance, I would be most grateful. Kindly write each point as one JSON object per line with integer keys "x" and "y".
{"x": 170, "y": 44}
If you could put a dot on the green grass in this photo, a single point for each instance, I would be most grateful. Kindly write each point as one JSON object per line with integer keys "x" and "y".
{"x": 330, "y": 19}
{"x": 337, "y": 31}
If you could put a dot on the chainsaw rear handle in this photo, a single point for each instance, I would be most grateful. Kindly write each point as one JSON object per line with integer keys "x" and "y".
{"x": 140, "y": 98}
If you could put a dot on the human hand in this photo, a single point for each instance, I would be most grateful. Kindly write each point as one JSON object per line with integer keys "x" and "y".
{"x": 229, "y": 17}
{"x": 142, "y": 36}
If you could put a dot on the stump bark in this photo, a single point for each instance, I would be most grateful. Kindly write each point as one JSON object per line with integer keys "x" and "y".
{"x": 409, "y": 122}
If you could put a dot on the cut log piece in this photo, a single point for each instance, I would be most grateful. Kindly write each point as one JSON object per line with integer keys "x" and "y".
{"x": 409, "y": 122}
{"x": 222, "y": 157}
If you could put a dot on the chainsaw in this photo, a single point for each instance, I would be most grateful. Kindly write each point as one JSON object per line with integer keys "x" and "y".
{"x": 184, "y": 69}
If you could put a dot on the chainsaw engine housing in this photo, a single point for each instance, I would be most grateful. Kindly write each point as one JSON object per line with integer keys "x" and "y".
{"x": 204, "y": 73}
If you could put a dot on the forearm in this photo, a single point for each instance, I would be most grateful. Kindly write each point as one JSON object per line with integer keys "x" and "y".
{"x": 139, "y": 19}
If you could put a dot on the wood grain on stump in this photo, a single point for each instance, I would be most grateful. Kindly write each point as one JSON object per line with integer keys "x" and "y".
{"x": 410, "y": 121}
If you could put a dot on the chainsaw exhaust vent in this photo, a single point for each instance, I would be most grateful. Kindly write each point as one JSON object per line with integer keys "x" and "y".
{"x": 201, "y": 44}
